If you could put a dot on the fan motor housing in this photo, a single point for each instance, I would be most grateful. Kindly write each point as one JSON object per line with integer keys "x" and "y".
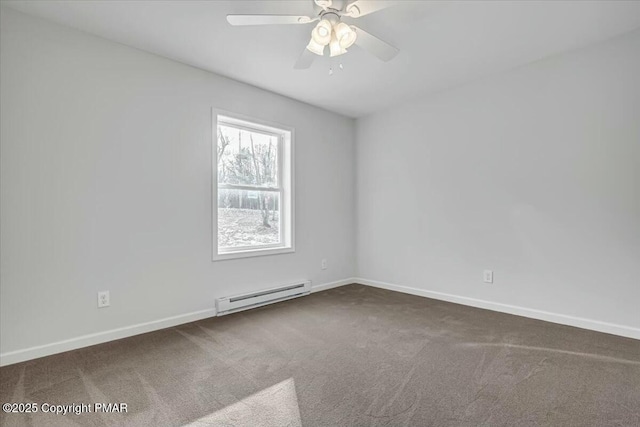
{"x": 335, "y": 7}
{"x": 331, "y": 16}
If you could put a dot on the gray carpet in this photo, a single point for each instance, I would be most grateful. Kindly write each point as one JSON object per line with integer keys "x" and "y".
{"x": 351, "y": 356}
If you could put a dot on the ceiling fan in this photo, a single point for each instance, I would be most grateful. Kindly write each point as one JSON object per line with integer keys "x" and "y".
{"x": 330, "y": 30}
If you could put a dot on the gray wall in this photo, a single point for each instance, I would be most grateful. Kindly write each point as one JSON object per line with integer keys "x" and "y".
{"x": 534, "y": 173}
{"x": 106, "y": 185}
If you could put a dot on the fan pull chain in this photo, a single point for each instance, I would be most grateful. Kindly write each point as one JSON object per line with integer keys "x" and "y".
{"x": 339, "y": 66}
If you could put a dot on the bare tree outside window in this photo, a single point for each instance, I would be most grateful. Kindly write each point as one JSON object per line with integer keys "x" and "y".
{"x": 248, "y": 188}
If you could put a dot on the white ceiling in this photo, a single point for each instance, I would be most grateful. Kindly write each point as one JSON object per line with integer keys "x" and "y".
{"x": 443, "y": 44}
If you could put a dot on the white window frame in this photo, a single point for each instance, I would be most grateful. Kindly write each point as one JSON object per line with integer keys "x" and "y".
{"x": 285, "y": 187}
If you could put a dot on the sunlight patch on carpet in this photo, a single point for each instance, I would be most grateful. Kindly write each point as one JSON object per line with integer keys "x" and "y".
{"x": 273, "y": 406}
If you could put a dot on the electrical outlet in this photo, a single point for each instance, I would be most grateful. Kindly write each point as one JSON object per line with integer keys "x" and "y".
{"x": 103, "y": 299}
{"x": 323, "y": 264}
{"x": 488, "y": 276}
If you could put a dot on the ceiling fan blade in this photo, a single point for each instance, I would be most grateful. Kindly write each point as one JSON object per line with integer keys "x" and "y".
{"x": 268, "y": 19}
{"x": 358, "y": 8}
{"x": 379, "y": 48}
{"x": 305, "y": 60}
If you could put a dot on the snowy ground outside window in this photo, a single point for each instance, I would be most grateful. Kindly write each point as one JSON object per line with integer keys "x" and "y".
{"x": 244, "y": 227}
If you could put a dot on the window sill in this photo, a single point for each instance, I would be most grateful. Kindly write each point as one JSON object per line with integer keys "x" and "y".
{"x": 252, "y": 253}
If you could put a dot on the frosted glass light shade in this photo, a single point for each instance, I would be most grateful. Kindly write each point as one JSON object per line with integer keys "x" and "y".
{"x": 316, "y": 48}
{"x": 345, "y": 34}
{"x": 334, "y": 47}
{"x": 321, "y": 34}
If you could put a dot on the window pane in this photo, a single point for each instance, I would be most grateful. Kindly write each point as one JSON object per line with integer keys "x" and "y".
{"x": 248, "y": 218}
{"x": 247, "y": 158}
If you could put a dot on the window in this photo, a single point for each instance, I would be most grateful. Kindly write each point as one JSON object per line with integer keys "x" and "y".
{"x": 253, "y": 191}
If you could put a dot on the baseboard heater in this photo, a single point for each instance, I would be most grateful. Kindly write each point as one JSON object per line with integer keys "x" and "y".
{"x": 228, "y": 305}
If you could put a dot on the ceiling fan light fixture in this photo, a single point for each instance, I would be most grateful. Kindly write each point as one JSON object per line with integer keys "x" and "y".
{"x": 345, "y": 34}
{"x": 335, "y": 49}
{"x": 321, "y": 34}
{"x": 316, "y": 48}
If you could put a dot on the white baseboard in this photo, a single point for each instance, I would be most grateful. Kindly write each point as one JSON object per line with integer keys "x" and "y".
{"x": 17, "y": 356}
{"x": 325, "y": 286}
{"x": 12, "y": 357}
{"x": 563, "y": 319}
